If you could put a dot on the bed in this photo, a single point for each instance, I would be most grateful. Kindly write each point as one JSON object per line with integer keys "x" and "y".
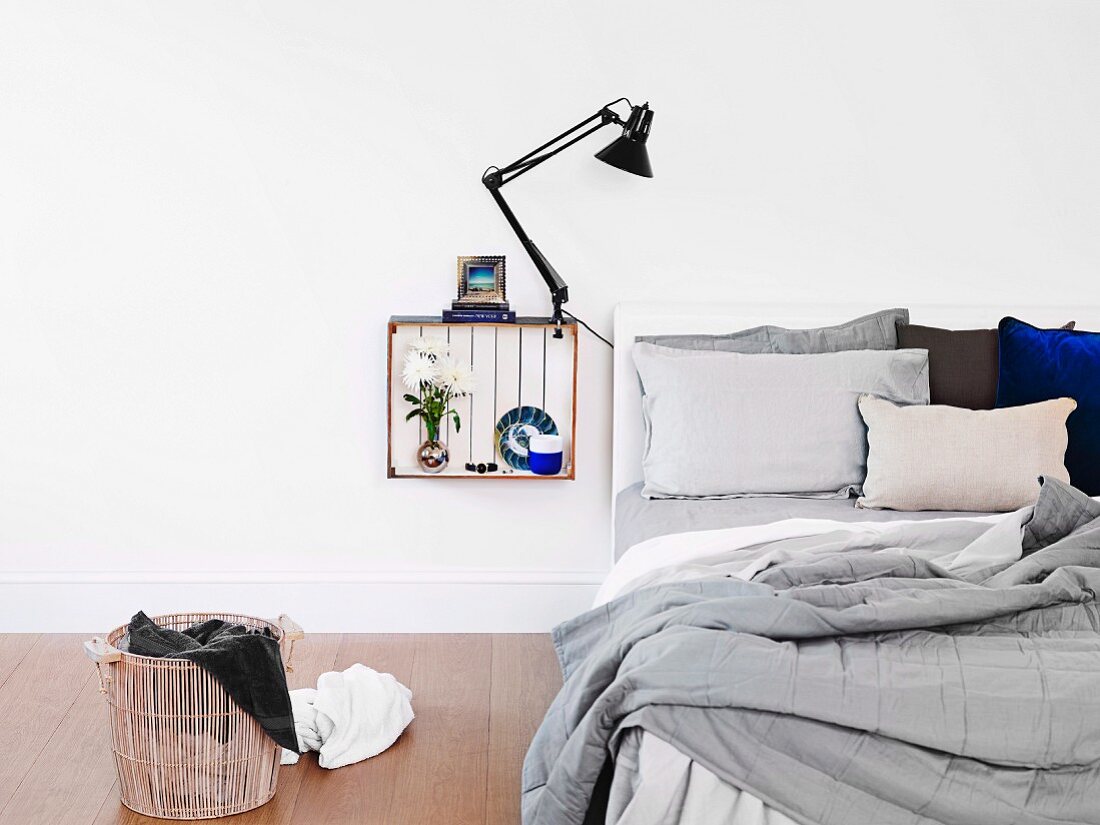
{"x": 672, "y": 551}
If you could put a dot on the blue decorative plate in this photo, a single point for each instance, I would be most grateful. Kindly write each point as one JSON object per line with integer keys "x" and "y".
{"x": 515, "y": 427}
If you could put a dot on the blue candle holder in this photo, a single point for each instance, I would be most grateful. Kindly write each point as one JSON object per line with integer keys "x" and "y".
{"x": 544, "y": 454}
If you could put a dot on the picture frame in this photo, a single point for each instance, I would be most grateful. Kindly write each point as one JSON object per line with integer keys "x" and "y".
{"x": 481, "y": 281}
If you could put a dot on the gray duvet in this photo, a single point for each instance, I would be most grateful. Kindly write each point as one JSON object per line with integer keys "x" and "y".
{"x": 867, "y": 687}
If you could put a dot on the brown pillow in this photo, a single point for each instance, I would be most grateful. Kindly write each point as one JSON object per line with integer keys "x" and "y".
{"x": 962, "y": 363}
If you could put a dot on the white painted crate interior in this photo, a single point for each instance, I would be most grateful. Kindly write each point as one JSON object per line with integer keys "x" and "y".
{"x": 515, "y": 365}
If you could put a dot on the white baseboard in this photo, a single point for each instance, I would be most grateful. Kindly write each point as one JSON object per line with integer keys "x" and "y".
{"x": 438, "y": 601}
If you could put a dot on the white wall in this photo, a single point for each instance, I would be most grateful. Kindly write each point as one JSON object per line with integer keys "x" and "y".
{"x": 208, "y": 210}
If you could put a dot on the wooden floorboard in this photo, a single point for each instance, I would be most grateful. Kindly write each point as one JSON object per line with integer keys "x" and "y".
{"x": 14, "y": 648}
{"x": 444, "y": 768}
{"x": 52, "y": 791}
{"x": 525, "y": 679}
{"x": 36, "y": 697}
{"x": 477, "y": 698}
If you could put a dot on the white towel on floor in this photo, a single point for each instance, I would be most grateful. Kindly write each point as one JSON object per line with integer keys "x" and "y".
{"x": 351, "y": 716}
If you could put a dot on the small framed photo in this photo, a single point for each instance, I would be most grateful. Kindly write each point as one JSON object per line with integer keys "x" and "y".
{"x": 481, "y": 280}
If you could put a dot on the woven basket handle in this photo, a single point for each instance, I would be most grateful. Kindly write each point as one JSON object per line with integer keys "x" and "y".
{"x": 292, "y": 632}
{"x": 102, "y": 654}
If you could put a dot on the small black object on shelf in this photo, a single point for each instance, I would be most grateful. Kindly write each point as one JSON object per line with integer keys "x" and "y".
{"x": 481, "y": 468}
{"x": 627, "y": 152}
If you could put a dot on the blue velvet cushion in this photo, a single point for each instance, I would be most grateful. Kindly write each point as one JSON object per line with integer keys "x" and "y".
{"x": 1040, "y": 364}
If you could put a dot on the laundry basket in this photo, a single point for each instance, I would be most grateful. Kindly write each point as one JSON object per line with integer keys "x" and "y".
{"x": 183, "y": 748}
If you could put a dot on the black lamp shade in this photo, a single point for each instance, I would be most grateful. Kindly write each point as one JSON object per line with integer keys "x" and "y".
{"x": 628, "y": 151}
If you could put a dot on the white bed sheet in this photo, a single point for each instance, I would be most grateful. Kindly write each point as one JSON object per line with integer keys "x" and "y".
{"x": 665, "y": 787}
{"x": 685, "y": 556}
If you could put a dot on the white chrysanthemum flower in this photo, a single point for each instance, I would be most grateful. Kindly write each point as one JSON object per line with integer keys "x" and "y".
{"x": 454, "y": 376}
{"x": 426, "y": 345}
{"x": 419, "y": 369}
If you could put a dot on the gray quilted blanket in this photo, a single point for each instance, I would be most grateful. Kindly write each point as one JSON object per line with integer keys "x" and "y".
{"x": 854, "y": 688}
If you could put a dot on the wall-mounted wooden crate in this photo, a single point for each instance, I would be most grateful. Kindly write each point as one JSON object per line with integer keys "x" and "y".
{"x": 515, "y": 365}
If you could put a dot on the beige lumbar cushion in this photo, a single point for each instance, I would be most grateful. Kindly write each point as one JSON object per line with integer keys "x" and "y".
{"x": 949, "y": 458}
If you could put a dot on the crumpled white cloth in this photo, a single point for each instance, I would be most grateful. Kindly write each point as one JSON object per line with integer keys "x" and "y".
{"x": 350, "y": 717}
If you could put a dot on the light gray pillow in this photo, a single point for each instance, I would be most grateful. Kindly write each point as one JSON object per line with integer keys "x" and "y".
{"x": 875, "y": 331}
{"x": 950, "y": 458}
{"x": 726, "y": 424}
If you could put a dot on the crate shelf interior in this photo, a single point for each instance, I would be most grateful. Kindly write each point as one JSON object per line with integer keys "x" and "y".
{"x": 515, "y": 365}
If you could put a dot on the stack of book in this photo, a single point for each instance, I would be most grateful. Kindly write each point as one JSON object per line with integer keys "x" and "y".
{"x": 471, "y": 313}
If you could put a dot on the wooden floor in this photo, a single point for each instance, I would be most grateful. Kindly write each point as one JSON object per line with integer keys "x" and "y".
{"x": 477, "y": 698}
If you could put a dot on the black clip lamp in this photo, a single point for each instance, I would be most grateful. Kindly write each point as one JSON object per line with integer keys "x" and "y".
{"x": 627, "y": 152}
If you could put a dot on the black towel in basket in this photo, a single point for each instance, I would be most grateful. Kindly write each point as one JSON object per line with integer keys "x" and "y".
{"x": 246, "y": 663}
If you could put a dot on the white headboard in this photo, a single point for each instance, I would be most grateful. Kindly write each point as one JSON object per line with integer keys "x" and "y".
{"x": 634, "y": 319}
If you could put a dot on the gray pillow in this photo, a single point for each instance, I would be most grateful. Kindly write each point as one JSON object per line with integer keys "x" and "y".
{"x": 875, "y": 331}
{"x": 726, "y": 424}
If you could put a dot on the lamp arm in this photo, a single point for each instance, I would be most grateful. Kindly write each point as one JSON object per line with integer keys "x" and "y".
{"x": 559, "y": 291}
{"x": 499, "y": 176}
{"x": 495, "y": 177}
{"x": 514, "y": 170}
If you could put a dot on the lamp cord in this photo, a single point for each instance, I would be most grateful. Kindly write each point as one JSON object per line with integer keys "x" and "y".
{"x": 583, "y": 324}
